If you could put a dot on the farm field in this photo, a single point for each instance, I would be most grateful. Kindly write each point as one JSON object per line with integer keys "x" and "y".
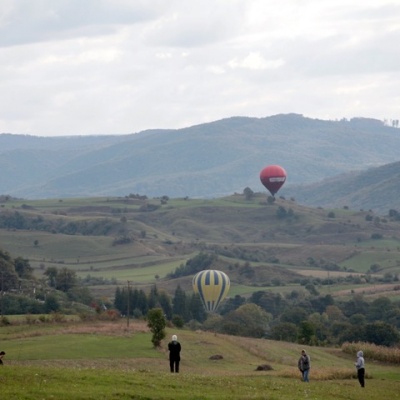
{"x": 144, "y": 240}
{"x": 106, "y": 360}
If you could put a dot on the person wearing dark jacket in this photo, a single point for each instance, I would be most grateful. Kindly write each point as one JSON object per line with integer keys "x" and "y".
{"x": 360, "y": 366}
{"x": 2, "y": 354}
{"x": 304, "y": 366}
{"x": 174, "y": 348}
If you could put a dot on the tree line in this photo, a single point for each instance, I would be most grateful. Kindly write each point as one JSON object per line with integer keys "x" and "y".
{"x": 296, "y": 317}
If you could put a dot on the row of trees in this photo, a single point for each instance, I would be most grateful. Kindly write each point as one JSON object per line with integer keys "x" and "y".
{"x": 180, "y": 309}
{"x": 12, "y": 219}
{"x": 297, "y": 317}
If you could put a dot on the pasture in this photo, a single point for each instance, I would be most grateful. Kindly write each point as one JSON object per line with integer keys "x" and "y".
{"x": 125, "y": 239}
{"x": 108, "y": 360}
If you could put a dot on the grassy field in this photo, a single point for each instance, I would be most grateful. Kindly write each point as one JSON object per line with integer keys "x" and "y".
{"x": 106, "y": 360}
{"x": 237, "y": 229}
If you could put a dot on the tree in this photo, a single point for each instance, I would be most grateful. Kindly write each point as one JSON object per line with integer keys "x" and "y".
{"x": 285, "y": 331}
{"x": 66, "y": 279}
{"x": 156, "y": 322}
{"x": 23, "y": 268}
{"x": 312, "y": 289}
{"x": 248, "y": 193}
{"x": 381, "y": 334}
{"x": 152, "y": 298}
{"x": 306, "y": 333}
{"x": 180, "y": 306}
{"x": 196, "y": 308}
{"x": 248, "y": 320}
{"x": 294, "y": 315}
{"x": 51, "y": 273}
{"x": 165, "y": 303}
{"x": 273, "y": 303}
{"x": 51, "y": 303}
{"x": 379, "y": 309}
{"x": 281, "y": 212}
{"x": 232, "y": 304}
{"x": 8, "y": 275}
{"x": 80, "y": 294}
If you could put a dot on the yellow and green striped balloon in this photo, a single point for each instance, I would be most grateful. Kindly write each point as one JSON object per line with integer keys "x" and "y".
{"x": 212, "y": 286}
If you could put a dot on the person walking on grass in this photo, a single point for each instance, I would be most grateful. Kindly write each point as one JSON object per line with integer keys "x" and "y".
{"x": 174, "y": 348}
{"x": 2, "y": 354}
{"x": 304, "y": 366}
{"x": 360, "y": 365}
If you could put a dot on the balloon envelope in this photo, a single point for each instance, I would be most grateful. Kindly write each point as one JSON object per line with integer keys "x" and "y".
{"x": 273, "y": 177}
{"x": 212, "y": 286}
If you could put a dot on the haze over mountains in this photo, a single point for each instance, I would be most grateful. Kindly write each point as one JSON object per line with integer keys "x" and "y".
{"x": 213, "y": 160}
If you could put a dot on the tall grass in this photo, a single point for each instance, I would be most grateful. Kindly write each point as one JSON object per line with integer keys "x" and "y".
{"x": 373, "y": 352}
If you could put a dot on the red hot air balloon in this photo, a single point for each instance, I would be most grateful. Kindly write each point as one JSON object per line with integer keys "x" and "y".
{"x": 273, "y": 177}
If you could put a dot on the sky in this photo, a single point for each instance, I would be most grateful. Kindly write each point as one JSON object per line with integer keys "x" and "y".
{"x": 95, "y": 67}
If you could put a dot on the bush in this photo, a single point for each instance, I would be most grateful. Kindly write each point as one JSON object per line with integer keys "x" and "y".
{"x": 157, "y": 323}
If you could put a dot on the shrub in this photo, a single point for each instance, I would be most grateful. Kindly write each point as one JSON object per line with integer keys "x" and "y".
{"x": 156, "y": 322}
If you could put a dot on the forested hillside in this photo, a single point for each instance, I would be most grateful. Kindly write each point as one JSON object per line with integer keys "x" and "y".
{"x": 203, "y": 161}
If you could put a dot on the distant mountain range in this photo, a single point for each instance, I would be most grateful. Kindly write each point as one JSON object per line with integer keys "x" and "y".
{"x": 213, "y": 160}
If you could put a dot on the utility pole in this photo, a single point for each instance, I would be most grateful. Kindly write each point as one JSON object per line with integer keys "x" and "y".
{"x": 129, "y": 308}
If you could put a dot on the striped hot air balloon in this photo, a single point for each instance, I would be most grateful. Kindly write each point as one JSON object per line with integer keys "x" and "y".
{"x": 212, "y": 286}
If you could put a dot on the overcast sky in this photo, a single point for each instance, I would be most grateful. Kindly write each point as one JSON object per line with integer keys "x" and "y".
{"x": 86, "y": 67}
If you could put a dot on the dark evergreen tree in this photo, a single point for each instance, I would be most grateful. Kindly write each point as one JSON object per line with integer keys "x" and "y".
{"x": 179, "y": 304}
{"x": 196, "y": 308}
{"x": 273, "y": 303}
{"x": 165, "y": 302}
{"x": 142, "y": 304}
{"x": 152, "y": 299}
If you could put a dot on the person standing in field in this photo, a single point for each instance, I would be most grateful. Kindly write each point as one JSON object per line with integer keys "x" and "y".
{"x": 304, "y": 366}
{"x": 2, "y": 354}
{"x": 174, "y": 348}
{"x": 360, "y": 365}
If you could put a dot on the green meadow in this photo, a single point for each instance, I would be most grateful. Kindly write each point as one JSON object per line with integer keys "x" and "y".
{"x": 83, "y": 234}
{"x": 111, "y": 360}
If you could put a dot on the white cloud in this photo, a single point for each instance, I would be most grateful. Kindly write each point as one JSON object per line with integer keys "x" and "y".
{"x": 121, "y": 66}
{"x": 255, "y": 61}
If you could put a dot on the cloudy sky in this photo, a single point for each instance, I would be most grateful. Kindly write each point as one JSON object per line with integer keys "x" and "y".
{"x": 86, "y": 67}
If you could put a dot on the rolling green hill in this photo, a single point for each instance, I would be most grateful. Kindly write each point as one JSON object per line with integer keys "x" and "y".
{"x": 375, "y": 188}
{"x": 259, "y": 244}
{"x": 105, "y": 360}
{"x": 203, "y": 161}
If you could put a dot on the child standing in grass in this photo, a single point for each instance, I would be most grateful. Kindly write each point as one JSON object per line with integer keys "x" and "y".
{"x": 360, "y": 365}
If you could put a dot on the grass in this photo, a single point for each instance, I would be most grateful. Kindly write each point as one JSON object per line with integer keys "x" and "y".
{"x": 107, "y": 383}
{"x": 182, "y": 228}
{"x": 105, "y": 360}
